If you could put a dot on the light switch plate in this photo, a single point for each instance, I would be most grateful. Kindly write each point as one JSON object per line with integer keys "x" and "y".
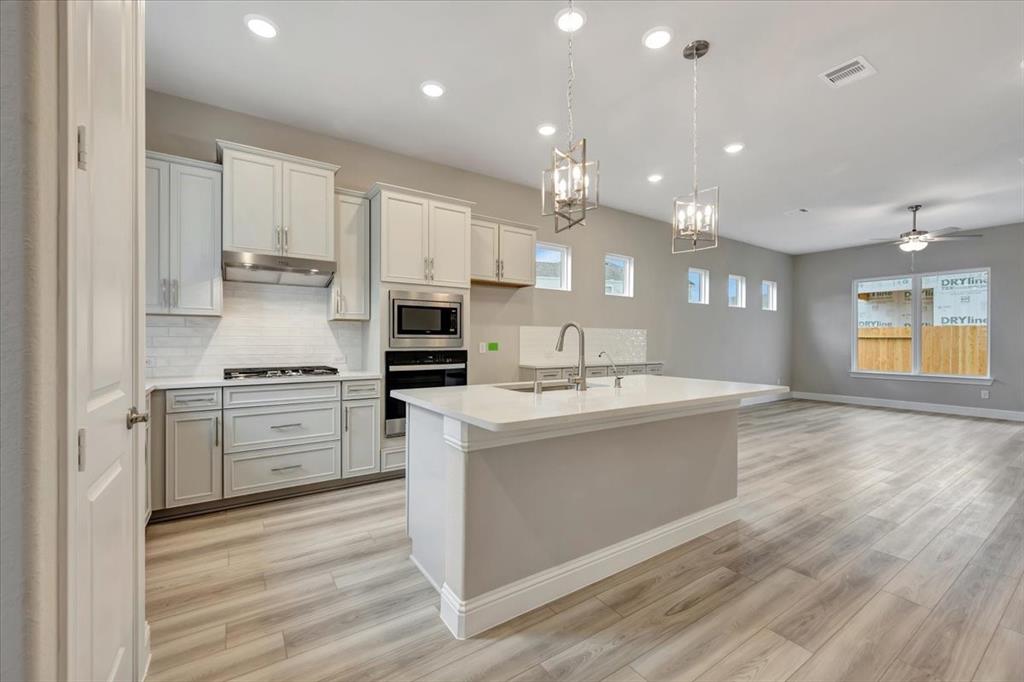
{"x": 984, "y": 394}
{"x": 483, "y": 347}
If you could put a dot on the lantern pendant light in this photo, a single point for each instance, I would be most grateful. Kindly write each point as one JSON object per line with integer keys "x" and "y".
{"x": 569, "y": 188}
{"x": 695, "y": 217}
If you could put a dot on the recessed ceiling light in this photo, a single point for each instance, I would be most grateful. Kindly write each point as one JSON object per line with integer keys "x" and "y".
{"x": 733, "y": 148}
{"x": 570, "y": 20}
{"x": 658, "y": 37}
{"x": 432, "y": 89}
{"x": 261, "y": 26}
{"x": 546, "y": 129}
{"x": 654, "y": 178}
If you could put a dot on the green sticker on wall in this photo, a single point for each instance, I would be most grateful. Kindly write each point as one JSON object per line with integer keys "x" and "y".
{"x": 492, "y": 346}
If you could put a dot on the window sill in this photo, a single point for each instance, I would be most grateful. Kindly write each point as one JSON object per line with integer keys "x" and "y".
{"x": 933, "y": 378}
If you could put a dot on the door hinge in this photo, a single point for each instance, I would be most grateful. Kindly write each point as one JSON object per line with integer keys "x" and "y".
{"x": 81, "y": 449}
{"x": 81, "y": 148}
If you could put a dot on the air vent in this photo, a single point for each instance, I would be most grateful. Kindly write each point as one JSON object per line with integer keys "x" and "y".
{"x": 855, "y": 69}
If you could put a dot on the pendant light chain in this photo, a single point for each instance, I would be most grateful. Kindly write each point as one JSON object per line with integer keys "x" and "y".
{"x": 569, "y": 84}
{"x": 695, "y": 60}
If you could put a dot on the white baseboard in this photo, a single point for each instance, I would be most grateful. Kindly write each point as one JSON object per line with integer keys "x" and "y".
{"x": 987, "y": 413}
{"x": 477, "y": 614}
{"x": 746, "y": 402}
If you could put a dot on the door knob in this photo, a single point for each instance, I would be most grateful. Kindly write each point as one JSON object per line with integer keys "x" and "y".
{"x": 136, "y": 417}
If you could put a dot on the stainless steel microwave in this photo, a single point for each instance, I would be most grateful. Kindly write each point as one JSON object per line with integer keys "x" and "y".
{"x": 421, "y": 319}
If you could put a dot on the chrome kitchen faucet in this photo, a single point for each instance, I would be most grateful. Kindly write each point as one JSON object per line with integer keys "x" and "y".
{"x": 581, "y": 379}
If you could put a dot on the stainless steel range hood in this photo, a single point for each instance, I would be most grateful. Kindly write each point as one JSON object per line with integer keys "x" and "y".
{"x": 242, "y": 266}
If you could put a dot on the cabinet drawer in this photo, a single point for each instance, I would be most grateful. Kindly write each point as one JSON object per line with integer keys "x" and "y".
{"x": 597, "y": 371}
{"x": 253, "y": 472}
{"x": 658, "y": 369}
{"x": 251, "y": 428}
{"x": 549, "y": 374}
{"x": 392, "y": 460}
{"x": 193, "y": 399}
{"x": 354, "y": 390}
{"x": 281, "y": 394}
{"x": 636, "y": 369}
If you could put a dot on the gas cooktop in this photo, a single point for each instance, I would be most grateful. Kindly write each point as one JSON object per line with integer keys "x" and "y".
{"x": 274, "y": 372}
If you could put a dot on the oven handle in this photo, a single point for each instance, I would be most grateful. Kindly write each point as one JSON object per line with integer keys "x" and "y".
{"x": 418, "y": 368}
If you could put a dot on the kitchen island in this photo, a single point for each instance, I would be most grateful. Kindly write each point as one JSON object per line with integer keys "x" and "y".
{"x": 517, "y": 498}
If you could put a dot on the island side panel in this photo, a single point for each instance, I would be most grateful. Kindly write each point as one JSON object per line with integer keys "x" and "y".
{"x": 533, "y": 506}
{"x": 426, "y": 491}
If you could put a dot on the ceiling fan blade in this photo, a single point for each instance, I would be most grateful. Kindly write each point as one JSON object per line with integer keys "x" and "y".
{"x": 954, "y": 239}
{"x": 885, "y": 239}
{"x": 943, "y": 231}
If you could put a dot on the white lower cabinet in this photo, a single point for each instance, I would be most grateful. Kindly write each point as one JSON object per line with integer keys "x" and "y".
{"x": 193, "y": 454}
{"x": 262, "y": 470}
{"x": 360, "y": 437}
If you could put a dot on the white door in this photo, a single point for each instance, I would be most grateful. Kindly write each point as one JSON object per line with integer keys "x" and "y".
{"x": 252, "y": 203}
{"x": 195, "y": 232}
{"x": 157, "y": 216}
{"x": 194, "y": 457}
{"x": 308, "y": 211}
{"x": 360, "y": 437}
{"x": 404, "y": 238}
{"x": 518, "y": 255}
{"x": 449, "y": 244}
{"x": 350, "y": 297}
{"x": 483, "y": 264}
{"x": 104, "y": 42}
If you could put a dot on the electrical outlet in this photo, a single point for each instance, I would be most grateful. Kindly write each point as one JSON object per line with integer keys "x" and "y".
{"x": 984, "y": 394}
{"x": 150, "y": 363}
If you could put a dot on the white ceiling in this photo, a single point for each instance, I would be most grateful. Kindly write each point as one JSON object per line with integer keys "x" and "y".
{"x": 942, "y": 123}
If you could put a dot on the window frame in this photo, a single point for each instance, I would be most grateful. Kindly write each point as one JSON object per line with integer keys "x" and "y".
{"x": 774, "y": 303}
{"x": 630, "y": 267}
{"x": 705, "y": 286}
{"x": 741, "y": 291}
{"x": 915, "y": 373}
{"x": 566, "y": 265}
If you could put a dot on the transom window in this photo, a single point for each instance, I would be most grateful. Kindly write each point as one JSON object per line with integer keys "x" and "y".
{"x": 554, "y": 267}
{"x": 923, "y": 324}
{"x": 737, "y": 291}
{"x": 769, "y": 295}
{"x": 618, "y": 275}
{"x": 698, "y": 286}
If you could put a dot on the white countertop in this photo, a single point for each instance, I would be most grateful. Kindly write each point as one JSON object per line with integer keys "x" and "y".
{"x": 167, "y": 383}
{"x": 498, "y": 409}
{"x": 596, "y": 363}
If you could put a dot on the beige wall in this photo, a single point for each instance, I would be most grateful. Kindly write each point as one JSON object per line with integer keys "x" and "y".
{"x": 702, "y": 341}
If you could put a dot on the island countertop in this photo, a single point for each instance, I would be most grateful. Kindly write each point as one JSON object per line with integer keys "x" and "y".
{"x": 494, "y": 408}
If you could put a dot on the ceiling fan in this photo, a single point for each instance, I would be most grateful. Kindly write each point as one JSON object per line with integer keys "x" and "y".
{"x": 917, "y": 240}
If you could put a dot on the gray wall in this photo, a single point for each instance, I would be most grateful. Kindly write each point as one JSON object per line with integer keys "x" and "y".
{"x": 703, "y": 341}
{"x": 822, "y": 329}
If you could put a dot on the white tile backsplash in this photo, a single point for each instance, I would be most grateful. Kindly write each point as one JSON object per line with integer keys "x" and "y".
{"x": 537, "y": 345}
{"x": 262, "y": 324}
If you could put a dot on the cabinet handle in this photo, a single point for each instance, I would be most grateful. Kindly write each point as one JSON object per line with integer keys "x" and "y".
{"x": 188, "y": 401}
{"x": 426, "y": 268}
{"x": 431, "y": 268}
{"x": 502, "y": 261}
{"x": 346, "y": 418}
{"x": 286, "y": 426}
{"x": 176, "y": 293}
{"x": 287, "y": 468}
{"x": 286, "y": 240}
{"x": 165, "y": 296}
{"x": 497, "y": 267}
{"x": 216, "y": 432}
{"x": 277, "y": 237}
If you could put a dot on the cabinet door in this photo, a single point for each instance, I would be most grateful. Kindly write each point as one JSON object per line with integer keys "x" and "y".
{"x": 308, "y": 211}
{"x": 350, "y": 297}
{"x": 193, "y": 458}
{"x": 403, "y": 238}
{"x": 449, "y": 244}
{"x": 195, "y": 232}
{"x": 483, "y": 260}
{"x": 252, "y": 203}
{"x": 360, "y": 437}
{"x": 518, "y": 255}
{"x": 157, "y": 217}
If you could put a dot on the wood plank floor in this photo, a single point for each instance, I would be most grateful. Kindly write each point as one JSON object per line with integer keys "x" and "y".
{"x": 871, "y": 545}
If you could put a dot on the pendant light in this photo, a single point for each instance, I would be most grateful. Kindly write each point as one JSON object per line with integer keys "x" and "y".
{"x": 569, "y": 188}
{"x": 695, "y": 217}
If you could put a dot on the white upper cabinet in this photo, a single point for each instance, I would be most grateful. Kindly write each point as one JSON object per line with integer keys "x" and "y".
{"x": 308, "y": 205}
{"x": 277, "y": 204}
{"x": 424, "y": 238}
{"x": 183, "y": 236}
{"x": 503, "y": 253}
{"x": 350, "y": 292}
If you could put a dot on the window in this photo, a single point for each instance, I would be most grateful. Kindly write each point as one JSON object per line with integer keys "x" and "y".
{"x": 618, "y": 275}
{"x": 932, "y": 324}
{"x": 554, "y": 267}
{"x": 698, "y": 285}
{"x": 737, "y": 291}
{"x": 769, "y": 295}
